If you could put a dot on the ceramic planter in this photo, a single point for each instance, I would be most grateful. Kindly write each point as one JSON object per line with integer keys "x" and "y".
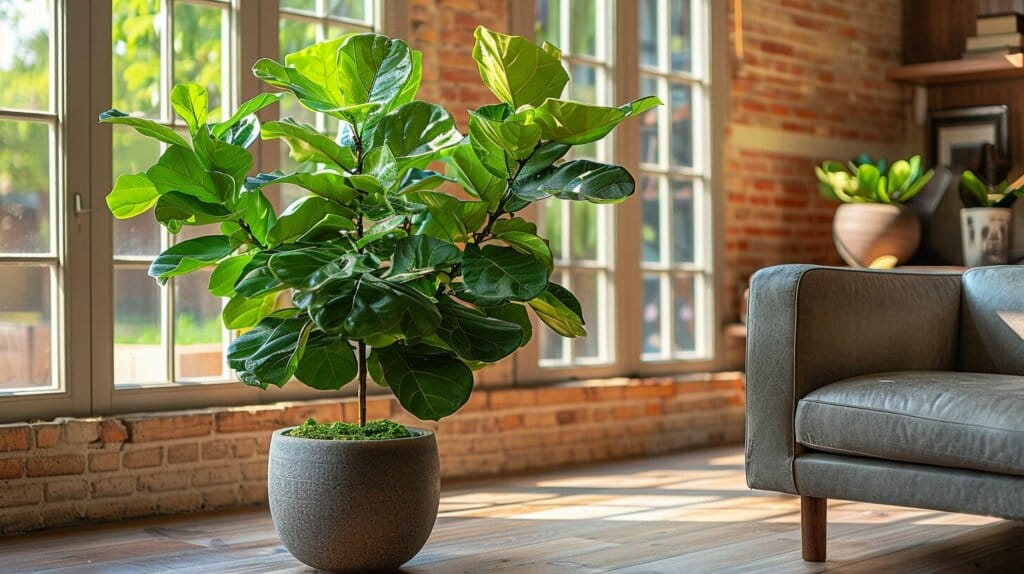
{"x": 985, "y": 235}
{"x": 354, "y": 506}
{"x": 863, "y": 232}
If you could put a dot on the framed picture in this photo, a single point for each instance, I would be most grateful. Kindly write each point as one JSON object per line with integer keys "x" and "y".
{"x": 956, "y": 136}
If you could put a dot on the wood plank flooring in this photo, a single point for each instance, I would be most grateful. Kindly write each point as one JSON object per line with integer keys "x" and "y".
{"x": 683, "y": 513}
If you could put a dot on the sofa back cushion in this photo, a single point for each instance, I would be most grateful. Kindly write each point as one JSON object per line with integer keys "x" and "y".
{"x": 992, "y": 320}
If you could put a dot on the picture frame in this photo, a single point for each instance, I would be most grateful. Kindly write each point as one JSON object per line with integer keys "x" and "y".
{"x": 956, "y": 135}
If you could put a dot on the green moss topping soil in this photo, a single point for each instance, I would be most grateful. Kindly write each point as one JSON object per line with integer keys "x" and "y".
{"x": 374, "y": 430}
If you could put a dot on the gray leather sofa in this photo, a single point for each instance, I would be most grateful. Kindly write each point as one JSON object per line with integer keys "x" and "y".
{"x": 892, "y": 387}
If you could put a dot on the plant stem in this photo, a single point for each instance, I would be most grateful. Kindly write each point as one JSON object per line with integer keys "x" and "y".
{"x": 362, "y": 383}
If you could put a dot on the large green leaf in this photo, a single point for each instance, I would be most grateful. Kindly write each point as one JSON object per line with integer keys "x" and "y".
{"x": 191, "y": 103}
{"x": 517, "y": 71}
{"x": 560, "y": 311}
{"x": 500, "y": 140}
{"x": 576, "y": 123}
{"x": 525, "y": 242}
{"x": 294, "y": 268}
{"x": 246, "y": 109}
{"x": 377, "y": 69}
{"x": 513, "y": 313}
{"x": 543, "y": 157}
{"x": 257, "y": 213}
{"x": 178, "y": 169}
{"x": 418, "y": 252}
{"x": 449, "y": 218}
{"x": 227, "y": 273}
{"x": 307, "y": 144}
{"x": 385, "y": 308}
{"x": 476, "y": 179}
{"x": 216, "y": 155}
{"x": 476, "y": 336}
{"x": 174, "y": 209}
{"x": 328, "y": 228}
{"x": 188, "y": 256}
{"x": 270, "y": 352}
{"x": 327, "y": 184}
{"x": 242, "y": 312}
{"x": 327, "y": 364}
{"x": 300, "y": 216}
{"x": 309, "y": 93}
{"x": 503, "y": 273}
{"x": 145, "y": 127}
{"x": 131, "y": 196}
{"x": 581, "y": 179}
{"x": 428, "y": 386}
{"x": 416, "y": 133}
{"x": 319, "y": 63}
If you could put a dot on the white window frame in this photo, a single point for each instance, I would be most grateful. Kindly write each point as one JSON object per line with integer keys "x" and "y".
{"x": 625, "y": 291}
{"x": 83, "y": 234}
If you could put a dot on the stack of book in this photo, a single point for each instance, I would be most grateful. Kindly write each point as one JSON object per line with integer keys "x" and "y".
{"x": 996, "y": 35}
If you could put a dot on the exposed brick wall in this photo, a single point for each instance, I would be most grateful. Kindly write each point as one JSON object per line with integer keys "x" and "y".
{"x": 93, "y": 470}
{"x": 810, "y": 68}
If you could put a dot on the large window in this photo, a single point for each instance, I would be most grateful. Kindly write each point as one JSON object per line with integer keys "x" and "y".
{"x": 31, "y": 188}
{"x": 657, "y": 272}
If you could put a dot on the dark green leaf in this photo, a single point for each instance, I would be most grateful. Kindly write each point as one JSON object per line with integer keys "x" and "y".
{"x": 503, "y": 272}
{"x": 132, "y": 195}
{"x": 328, "y": 363}
{"x": 294, "y": 268}
{"x": 418, "y": 252}
{"x": 175, "y": 209}
{"x": 514, "y": 224}
{"x": 544, "y": 157}
{"x": 449, "y": 218}
{"x": 416, "y": 133}
{"x": 381, "y": 307}
{"x": 330, "y": 227}
{"x": 513, "y": 313}
{"x": 327, "y": 184}
{"x": 270, "y": 352}
{"x": 581, "y": 180}
{"x": 475, "y": 336}
{"x": 576, "y": 123}
{"x": 188, "y": 256}
{"x": 528, "y": 243}
{"x": 377, "y": 69}
{"x": 517, "y": 71}
{"x": 145, "y": 127}
{"x": 428, "y": 386}
{"x": 300, "y": 216}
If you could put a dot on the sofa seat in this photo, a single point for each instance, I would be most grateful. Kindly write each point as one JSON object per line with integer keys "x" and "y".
{"x": 961, "y": 420}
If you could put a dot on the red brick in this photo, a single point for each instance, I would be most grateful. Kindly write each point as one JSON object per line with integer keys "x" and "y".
{"x": 144, "y": 458}
{"x": 112, "y": 431}
{"x": 11, "y": 468}
{"x": 104, "y": 461}
{"x": 15, "y": 437}
{"x": 180, "y": 453}
{"x": 166, "y": 427}
{"x": 56, "y": 465}
{"x": 47, "y": 435}
{"x": 249, "y": 420}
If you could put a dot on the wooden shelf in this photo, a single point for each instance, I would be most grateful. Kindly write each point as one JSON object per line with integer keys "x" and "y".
{"x": 953, "y": 71}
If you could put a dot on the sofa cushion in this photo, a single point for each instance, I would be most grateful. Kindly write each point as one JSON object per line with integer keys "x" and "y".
{"x": 961, "y": 420}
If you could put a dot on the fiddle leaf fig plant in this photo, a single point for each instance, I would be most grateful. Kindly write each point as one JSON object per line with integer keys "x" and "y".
{"x": 388, "y": 275}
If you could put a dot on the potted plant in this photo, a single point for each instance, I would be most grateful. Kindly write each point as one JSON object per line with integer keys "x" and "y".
{"x": 985, "y": 220}
{"x": 873, "y": 225}
{"x": 390, "y": 276}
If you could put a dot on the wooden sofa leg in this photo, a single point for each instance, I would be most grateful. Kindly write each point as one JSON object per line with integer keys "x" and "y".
{"x": 813, "y": 526}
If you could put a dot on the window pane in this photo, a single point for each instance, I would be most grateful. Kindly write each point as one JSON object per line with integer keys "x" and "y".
{"x": 682, "y": 221}
{"x": 583, "y": 87}
{"x": 585, "y": 222}
{"x": 583, "y": 27}
{"x": 199, "y": 51}
{"x": 133, "y": 153}
{"x": 25, "y": 201}
{"x": 652, "y": 315}
{"x": 680, "y": 43}
{"x": 136, "y": 36}
{"x": 139, "y": 346}
{"x": 26, "y": 328}
{"x": 682, "y": 125}
{"x": 586, "y": 288}
{"x": 338, "y": 30}
{"x": 649, "y": 140}
{"x": 650, "y": 202}
{"x": 198, "y": 331}
{"x": 684, "y": 314}
{"x": 648, "y": 33}
{"x": 351, "y": 9}
{"x": 551, "y": 226}
{"x": 304, "y": 5}
{"x": 25, "y": 54}
{"x": 549, "y": 20}
{"x": 551, "y": 348}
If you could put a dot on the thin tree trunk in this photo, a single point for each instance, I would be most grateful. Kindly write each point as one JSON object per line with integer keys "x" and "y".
{"x": 362, "y": 383}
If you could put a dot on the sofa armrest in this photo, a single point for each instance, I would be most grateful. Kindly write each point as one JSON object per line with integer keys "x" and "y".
{"x": 809, "y": 326}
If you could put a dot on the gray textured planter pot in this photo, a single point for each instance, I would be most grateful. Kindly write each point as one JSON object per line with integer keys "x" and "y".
{"x": 354, "y": 506}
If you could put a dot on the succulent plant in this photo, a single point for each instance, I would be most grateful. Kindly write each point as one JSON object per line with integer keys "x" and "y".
{"x": 861, "y": 181}
{"x": 975, "y": 192}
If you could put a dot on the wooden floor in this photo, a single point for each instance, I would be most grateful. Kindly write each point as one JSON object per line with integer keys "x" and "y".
{"x": 676, "y": 514}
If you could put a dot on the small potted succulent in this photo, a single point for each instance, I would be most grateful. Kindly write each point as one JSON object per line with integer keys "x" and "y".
{"x": 389, "y": 276}
{"x": 873, "y": 224}
{"x": 986, "y": 219}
